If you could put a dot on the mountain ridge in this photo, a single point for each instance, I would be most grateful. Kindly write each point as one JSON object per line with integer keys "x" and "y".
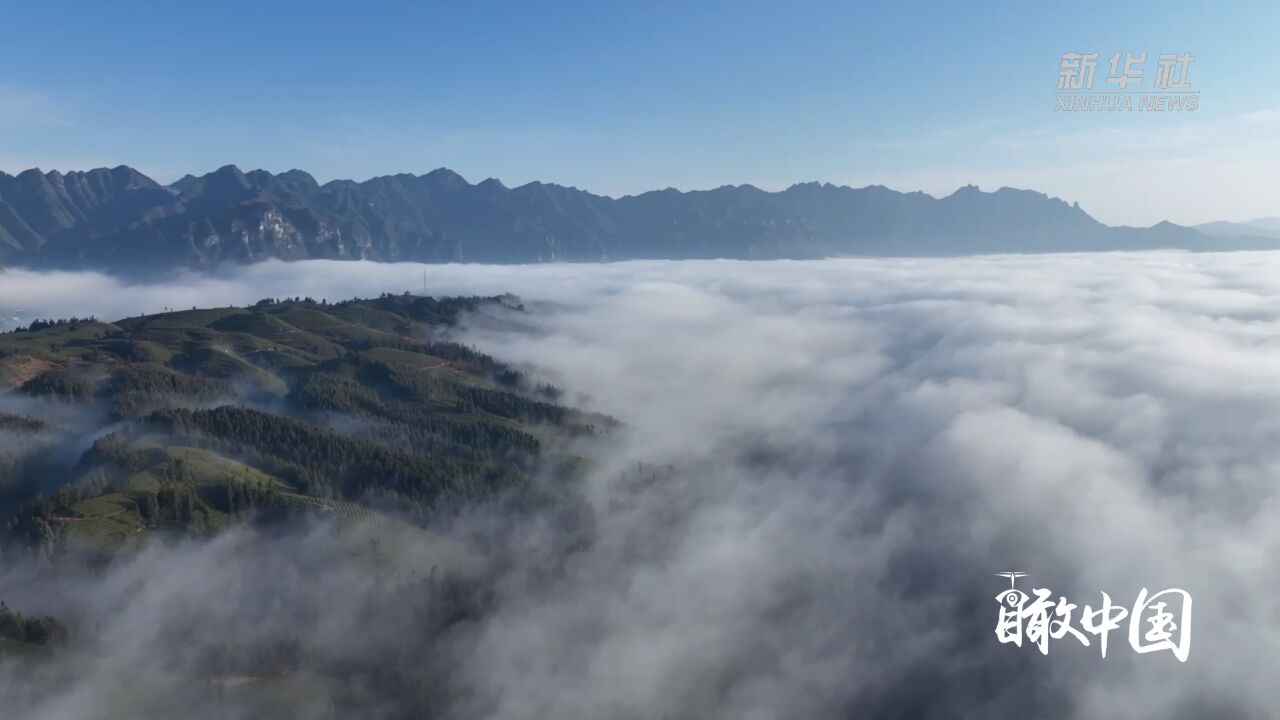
{"x": 1259, "y": 227}
{"x": 118, "y": 219}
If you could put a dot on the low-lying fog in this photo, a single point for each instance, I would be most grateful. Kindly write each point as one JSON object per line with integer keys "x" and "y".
{"x": 861, "y": 445}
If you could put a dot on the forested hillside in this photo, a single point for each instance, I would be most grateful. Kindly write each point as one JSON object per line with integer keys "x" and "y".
{"x": 187, "y": 422}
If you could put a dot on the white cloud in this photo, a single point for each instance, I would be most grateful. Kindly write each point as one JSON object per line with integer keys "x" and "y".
{"x": 859, "y": 445}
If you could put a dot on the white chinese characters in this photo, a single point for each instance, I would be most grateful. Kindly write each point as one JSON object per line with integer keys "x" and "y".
{"x": 1156, "y": 622}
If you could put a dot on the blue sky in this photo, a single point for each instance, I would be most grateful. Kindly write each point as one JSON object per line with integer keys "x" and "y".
{"x": 621, "y": 98}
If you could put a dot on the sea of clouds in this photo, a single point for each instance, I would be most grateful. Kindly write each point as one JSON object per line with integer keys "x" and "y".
{"x": 857, "y": 446}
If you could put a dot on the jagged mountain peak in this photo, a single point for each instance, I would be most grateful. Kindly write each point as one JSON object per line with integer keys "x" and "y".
{"x": 445, "y": 177}
{"x": 182, "y": 183}
{"x": 121, "y": 220}
{"x": 967, "y": 191}
{"x": 229, "y": 170}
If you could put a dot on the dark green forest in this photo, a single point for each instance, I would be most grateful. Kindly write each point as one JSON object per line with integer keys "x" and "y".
{"x": 183, "y": 425}
{"x": 197, "y": 415}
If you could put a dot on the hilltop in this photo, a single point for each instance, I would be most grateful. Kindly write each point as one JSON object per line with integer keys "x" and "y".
{"x": 187, "y": 422}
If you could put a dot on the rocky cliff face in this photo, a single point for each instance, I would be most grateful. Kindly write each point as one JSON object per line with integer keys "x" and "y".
{"x": 119, "y": 219}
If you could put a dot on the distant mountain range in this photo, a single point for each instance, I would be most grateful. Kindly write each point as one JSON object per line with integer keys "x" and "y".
{"x": 120, "y": 220}
{"x": 1267, "y": 227}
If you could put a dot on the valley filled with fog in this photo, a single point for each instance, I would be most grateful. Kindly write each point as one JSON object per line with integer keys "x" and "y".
{"x": 819, "y": 469}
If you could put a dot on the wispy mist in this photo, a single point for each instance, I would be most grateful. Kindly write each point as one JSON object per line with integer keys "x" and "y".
{"x": 821, "y": 467}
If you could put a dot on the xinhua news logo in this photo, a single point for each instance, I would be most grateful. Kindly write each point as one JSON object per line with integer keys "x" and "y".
{"x": 1124, "y": 85}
